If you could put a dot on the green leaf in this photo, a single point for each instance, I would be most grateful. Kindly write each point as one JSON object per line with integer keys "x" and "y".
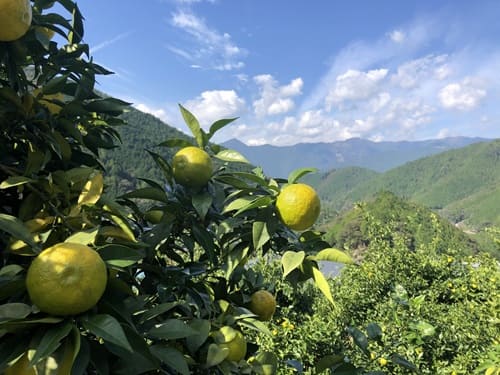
{"x": 108, "y": 328}
{"x": 238, "y": 204}
{"x": 328, "y": 361}
{"x": 92, "y": 190}
{"x": 111, "y": 106}
{"x": 265, "y": 363}
{"x": 403, "y": 362}
{"x": 15, "y": 181}
{"x": 201, "y": 203}
{"x": 322, "y": 283}
{"x": 17, "y": 229}
{"x": 291, "y": 260}
{"x": 193, "y": 124}
{"x": 158, "y": 310}
{"x": 172, "y": 329}
{"x": 13, "y": 311}
{"x": 359, "y": 338}
{"x": 120, "y": 256}
{"x": 231, "y": 156}
{"x": 83, "y": 237}
{"x": 260, "y": 235}
{"x": 151, "y": 193}
{"x": 219, "y": 124}
{"x": 259, "y": 202}
{"x": 374, "y": 331}
{"x": 295, "y": 175}
{"x": 332, "y": 255}
{"x": 171, "y": 357}
{"x": 216, "y": 354}
{"x": 425, "y": 329}
{"x": 51, "y": 341}
{"x": 201, "y": 326}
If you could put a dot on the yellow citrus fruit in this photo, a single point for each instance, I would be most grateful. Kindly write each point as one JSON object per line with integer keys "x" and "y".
{"x": 382, "y": 361}
{"x": 66, "y": 279}
{"x": 263, "y": 304}
{"x": 192, "y": 167}
{"x": 235, "y": 342}
{"x": 298, "y": 206}
{"x": 21, "y": 367}
{"x": 15, "y": 19}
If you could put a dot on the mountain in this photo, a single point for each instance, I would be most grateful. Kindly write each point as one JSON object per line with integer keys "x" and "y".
{"x": 130, "y": 161}
{"x": 278, "y": 161}
{"x": 462, "y": 184}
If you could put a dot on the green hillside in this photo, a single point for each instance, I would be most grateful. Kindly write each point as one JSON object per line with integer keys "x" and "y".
{"x": 418, "y": 225}
{"x": 130, "y": 160}
{"x": 462, "y": 184}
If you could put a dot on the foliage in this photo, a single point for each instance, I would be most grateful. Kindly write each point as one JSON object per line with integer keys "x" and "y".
{"x": 423, "y": 306}
{"x": 173, "y": 283}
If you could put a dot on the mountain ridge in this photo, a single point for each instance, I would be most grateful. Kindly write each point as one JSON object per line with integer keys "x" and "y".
{"x": 278, "y": 161}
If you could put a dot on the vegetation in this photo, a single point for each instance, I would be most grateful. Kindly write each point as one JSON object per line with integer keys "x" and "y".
{"x": 204, "y": 279}
{"x": 177, "y": 290}
{"x": 418, "y": 303}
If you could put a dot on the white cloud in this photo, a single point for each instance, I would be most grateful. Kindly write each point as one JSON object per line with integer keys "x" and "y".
{"x": 211, "y": 49}
{"x": 157, "y": 112}
{"x": 397, "y": 36}
{"x": 411, "y": 73}
{"x": 275, "y": 99}
{"x": 464, "y": 96}
{"x": 214, "y": 105}
{"x": 355, "y": 85}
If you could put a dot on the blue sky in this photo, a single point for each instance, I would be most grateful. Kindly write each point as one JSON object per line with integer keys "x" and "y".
{"x": 306, "y": 71}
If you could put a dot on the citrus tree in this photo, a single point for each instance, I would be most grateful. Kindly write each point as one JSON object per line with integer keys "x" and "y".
{"x": 159, "y": 280}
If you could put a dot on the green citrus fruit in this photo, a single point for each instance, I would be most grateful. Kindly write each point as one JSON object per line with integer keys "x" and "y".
{"x": 15, "y": 19}
{"x": 66, "y": 279}
{"x": 298, "y": 206}
{"x": 263, "y": 304}
{"x": 192, "y": 167}
{"x": 234, "y": 341}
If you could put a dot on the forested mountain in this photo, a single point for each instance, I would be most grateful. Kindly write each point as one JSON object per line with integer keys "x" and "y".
{"x": 378, "y": 156}
{"x": 130, "y": 160}
{"x": 462, "y": 184}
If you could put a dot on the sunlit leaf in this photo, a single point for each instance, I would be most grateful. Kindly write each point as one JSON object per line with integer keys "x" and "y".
{"x": 260, "y": 235}
{"x": 216, "y": 354}
{"x": 193, "y": 124}
{"x": 92, "y": 190}
{"x": 333, "y": 255}
{"x": 295, "y": 175}
{"x": 231, "y": 156}
{"x": 15, "y": 181}
{"x": 322, "y": 283}
{"x": 291, "y": 260}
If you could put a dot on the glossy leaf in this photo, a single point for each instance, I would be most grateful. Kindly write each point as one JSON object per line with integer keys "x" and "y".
{"x": 15, "y": 181}
{"x": 291, "y": 260}
{"x": 108, "y": 328}
{"x": 333, "y": 255}
{"x": 92, "y": 190}
{"x": 216, "y": 354}
{"x": 322, "y": 283}
{"x": 260, "y": 235}
{"x": 231, "y": 156}
{"x": 193, "y": 124}
{"x": 51, "y": 340}
{"x": 13, "y": 311}
{"x": 295, "y": 175}
{"x": 172, "y": 358}
{"x": 172, "y": 329}
{"x": 17, "y": 229}
{"x": 120, "y": 256}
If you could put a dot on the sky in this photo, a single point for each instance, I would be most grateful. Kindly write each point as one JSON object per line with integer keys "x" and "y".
{"x": 296, "y": 71}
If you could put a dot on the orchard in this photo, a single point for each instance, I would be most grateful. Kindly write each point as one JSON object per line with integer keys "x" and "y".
{"x": 156, "y": 281}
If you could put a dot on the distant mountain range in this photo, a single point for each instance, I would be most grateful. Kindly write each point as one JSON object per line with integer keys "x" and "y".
{"x": 462, "y": 184}
{"x": 278, "y": 161}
